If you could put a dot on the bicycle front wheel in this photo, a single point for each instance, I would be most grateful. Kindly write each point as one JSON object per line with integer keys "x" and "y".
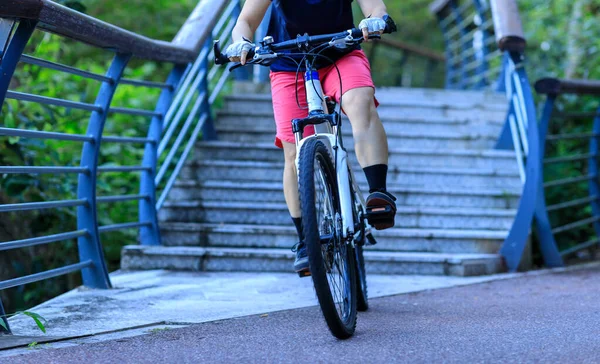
{"x": 331, "y": 259}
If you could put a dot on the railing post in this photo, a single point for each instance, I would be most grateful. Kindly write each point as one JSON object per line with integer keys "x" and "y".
{"x": 90, "y": 247}
{"x": 402, "y": 75}
{"x": 450, "y": 66}
{"x": 548, "y": 246}
{"x": 4, "y": 319}
{"x": 431, "y": 65}
{"x": 465, "y": 47}
{"x": 481, "y": 7}
{"x": 505, "y": 138}
{"x": 150, "y": 235}
{"x": 514, "y": 244}
{"x": 208, "y": 129}
{"x": 594, "y": 187}
{"x": 13, "y": 54}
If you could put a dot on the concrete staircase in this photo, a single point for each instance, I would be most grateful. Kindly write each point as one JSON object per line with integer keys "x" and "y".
{"x": 456, "y": 195}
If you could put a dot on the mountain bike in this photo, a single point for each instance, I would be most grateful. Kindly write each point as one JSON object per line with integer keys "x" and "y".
{"x": 334, "y": 217}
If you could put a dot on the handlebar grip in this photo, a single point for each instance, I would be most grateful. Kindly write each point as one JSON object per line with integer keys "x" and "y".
{"x": 390, "y": 25}
{"x": 220, "y": 58}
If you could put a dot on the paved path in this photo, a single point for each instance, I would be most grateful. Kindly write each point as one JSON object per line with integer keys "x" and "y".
{"x": 536, "y": 318}
{"x": 154, "y": 298}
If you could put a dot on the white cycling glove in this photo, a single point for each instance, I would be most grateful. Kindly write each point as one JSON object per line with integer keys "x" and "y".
{"x": 237, "y": 49}
{"x": 372, "y": 26}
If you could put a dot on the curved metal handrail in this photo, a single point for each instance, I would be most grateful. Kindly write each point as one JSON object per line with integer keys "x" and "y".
{"x": 187, "y": 84}
{"x": 59, "y": 19}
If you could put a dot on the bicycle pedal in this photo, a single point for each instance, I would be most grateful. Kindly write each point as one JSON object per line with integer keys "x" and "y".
{"x": 375, "y": 212}
{"x": 304, "y": 273}
{"x": 371, "y": 240}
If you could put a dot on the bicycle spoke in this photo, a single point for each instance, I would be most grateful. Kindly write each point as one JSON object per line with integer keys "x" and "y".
{"x": 328, "y": 250}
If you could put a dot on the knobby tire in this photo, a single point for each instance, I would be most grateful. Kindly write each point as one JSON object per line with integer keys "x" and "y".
{"x": 313, "y": 155}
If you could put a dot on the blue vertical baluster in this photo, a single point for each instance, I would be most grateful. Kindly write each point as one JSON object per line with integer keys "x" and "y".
{"x": 4, "y": 319}
{"x": 13, "y": 54}
{"x": 504, "y": 69}
{"x": 505, "y": 140}
{"x": 548, "y": 247}
{"x": 90, "y": 247}
{"x": 481, "y": 7}
{"x": 594, "y": 188}
{"x": 150, "y": 235}
{"x": 450, "y": 66}
{"x": 464, "y": 45}
{"x": 208, "y": 129}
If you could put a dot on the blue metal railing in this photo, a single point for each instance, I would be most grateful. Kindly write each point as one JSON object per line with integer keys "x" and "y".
{"x": 485, "y": 50}
{"x": 569, "y": 203}
{"x": 182, "y": 113}
{"x": 473, "y": 60}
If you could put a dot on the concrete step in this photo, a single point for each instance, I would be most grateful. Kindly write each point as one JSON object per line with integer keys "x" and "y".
{"x": 232, "y": 120}
{"x": 436, "y": 196}
{"x": 400, "y": 96}
{"x": 245, "y": 171}
{"x": 220, "y": 212}
{"x": 391, "y": 107}
{"x": 280, "y": 260}
{"x": 416, "y": 139}
{"x": 267, "y": 152}
{"x": 284, "y": 237}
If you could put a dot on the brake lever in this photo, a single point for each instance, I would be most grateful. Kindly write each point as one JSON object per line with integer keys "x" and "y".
{"x": 235, "y": 66}
{"x": 239, "y": 65}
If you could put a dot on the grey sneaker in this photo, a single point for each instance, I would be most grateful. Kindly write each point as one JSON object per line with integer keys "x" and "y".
{"x": 301, "y": 262}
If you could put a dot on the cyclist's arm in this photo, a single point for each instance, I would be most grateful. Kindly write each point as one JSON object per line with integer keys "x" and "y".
{"x": 372, "y": 8}
{"x": 250, "y": 17}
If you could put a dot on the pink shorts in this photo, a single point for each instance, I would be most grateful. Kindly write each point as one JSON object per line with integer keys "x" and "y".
{"x": 355, "y": 70}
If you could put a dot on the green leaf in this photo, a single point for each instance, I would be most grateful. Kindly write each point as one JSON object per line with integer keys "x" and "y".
{"x": 37, "y": 318}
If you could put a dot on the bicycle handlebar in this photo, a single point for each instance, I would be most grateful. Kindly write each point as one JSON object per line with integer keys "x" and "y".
{"x": 305, "y": 41}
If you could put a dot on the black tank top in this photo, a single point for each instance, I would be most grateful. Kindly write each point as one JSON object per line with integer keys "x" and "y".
{"x": 292, "y": 17}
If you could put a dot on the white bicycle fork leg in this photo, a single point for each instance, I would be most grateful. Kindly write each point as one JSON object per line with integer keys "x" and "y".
{"x": 343, "y": 180}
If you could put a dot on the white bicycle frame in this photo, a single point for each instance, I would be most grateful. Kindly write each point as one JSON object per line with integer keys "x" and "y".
{"x": 328, "y": 136}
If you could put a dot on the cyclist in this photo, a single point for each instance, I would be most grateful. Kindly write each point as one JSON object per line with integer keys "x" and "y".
{"x": 288, "y": 19}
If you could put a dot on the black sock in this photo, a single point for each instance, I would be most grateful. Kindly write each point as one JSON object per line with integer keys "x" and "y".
{"x": 298, "y": 223}
{"x": 376, "y": 176}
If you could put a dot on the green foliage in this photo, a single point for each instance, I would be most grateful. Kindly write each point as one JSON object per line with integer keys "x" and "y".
{"x": 418, "y": 27}
{"x": 547, "y": 29}
{"x": 34, "y": 316}
{"x": 563, "y": 43}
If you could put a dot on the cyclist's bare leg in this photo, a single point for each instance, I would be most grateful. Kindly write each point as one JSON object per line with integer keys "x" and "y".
{"x": 290, "y": 180}
{"x": 370, "y": 143}
{"x": 370, "y": 140}
{"x": 290, "y": 190}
